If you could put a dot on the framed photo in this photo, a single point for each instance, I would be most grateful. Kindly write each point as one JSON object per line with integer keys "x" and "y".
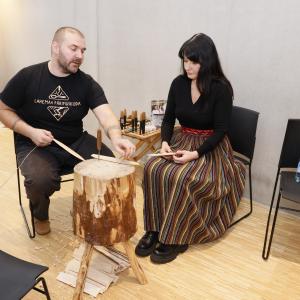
{"x": 158, "y": 108}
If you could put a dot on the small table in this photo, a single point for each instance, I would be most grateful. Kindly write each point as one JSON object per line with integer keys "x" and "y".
{"x": 146, "y": 142}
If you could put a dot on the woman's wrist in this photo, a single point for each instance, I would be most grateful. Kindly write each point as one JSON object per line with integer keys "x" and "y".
{"x": 196, "y": 154}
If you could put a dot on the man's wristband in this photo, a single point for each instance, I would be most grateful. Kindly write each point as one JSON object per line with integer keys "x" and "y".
{"x": 15, "y": 123}
{"x": 113, "y": 127}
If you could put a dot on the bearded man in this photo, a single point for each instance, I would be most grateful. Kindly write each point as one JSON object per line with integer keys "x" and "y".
{"x": 49, "y": 100}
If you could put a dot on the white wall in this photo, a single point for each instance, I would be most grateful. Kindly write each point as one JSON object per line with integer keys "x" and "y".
{"x": 133, "y": 46}
{"x": 27, "y": 28}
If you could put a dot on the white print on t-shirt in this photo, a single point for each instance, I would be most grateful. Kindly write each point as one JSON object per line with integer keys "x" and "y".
{"x": 58, "y": 94}
{"x": 58, "y": 103}
{"x": 57, "y": 112}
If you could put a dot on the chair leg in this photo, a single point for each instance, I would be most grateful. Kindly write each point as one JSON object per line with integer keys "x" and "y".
{"x": 45, "y": 290}
{"x": 266, "y": 252}
{"x": 251, "y": 203}
{"x": 31, "y": 234}
{"x": 250, "y": 189}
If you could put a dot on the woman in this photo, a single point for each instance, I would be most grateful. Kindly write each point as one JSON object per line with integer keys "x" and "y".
{"x": 192, "y": 195}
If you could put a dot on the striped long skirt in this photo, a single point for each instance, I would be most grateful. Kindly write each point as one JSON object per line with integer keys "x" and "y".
{"x": 194, "y": 202}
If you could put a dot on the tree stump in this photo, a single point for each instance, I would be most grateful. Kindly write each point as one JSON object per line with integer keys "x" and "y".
{"x": 103, "y": 210}
{"x": 103, "y": 202}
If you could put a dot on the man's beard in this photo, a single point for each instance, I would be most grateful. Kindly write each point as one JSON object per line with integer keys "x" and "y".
{"x": 66, "y": 67}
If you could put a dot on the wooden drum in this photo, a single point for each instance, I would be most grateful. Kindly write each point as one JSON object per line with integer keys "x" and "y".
{"x": 103, "y": 202}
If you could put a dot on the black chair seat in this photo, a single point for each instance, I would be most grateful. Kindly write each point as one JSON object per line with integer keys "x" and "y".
{"x": 290, "y": 189}
{"x": 18, "y": 277}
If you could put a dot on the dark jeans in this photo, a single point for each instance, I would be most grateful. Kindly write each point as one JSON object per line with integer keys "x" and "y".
{"x": 43, "y": 167}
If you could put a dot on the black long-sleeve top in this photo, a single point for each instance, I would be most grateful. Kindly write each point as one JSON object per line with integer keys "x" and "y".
{"x": 211, "y": 111}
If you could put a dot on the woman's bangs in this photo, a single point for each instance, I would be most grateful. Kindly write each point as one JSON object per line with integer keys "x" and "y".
{"x": 191, "y": 53}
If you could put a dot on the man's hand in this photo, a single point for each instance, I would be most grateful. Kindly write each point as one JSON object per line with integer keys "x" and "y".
{"x": 123, "y": 146}
{"x": 183, "y": 156}
{"x": 41, "y": 137}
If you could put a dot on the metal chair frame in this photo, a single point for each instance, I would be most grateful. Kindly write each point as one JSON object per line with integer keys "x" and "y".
{"x": 248, "y": 163}
{"x": 243, "y": 140}
{"x": 31, "y": 232}
{"x": 290, "y": 153}
{"x": 45, "y": 290}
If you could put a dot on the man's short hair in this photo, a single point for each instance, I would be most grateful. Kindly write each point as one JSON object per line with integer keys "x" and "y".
{"x": 60, "y": 33}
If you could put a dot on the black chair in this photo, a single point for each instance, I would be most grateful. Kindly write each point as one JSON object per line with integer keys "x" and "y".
{"x": 242, "y": 136}
{"x": 288, "y": 187}
{"x": 18, "y": 277}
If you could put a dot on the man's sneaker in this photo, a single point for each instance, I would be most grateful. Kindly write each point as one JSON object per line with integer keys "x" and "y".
{"x": 42, "y": 227}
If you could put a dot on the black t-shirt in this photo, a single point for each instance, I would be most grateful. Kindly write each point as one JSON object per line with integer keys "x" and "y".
{"x": 210, "y": 111}
{"x": 57, "y": 104}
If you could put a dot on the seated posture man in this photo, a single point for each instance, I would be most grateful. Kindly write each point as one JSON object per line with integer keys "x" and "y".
{"x": 47, "y": 101}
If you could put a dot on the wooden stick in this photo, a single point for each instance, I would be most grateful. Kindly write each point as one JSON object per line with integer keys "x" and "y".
{"x": 88, "y": 251}
{"x": 116, "y": 160}
{"x": 68, "y": 149}
{"x": 99, "y": 141}
{"x": 161, "y": 154}
{"x": 137, "y": 269}
{"x": 103, "y": 157}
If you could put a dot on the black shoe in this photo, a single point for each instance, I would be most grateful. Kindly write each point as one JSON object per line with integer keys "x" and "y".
{"x": 147, "y": 244}
{"x": 166, "y": 253}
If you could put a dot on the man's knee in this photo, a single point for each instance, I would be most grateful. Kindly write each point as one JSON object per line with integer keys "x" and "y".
{"x": 44, "y": 182}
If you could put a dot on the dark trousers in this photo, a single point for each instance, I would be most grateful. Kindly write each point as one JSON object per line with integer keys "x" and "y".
{"x": 43, "y": 167}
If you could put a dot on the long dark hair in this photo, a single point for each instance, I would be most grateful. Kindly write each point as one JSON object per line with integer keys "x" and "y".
{"x": 201, "y": 49}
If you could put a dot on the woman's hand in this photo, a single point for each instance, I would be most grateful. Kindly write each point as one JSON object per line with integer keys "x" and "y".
{"x": 184, "y": 156}
{"x": 165, "y": 148}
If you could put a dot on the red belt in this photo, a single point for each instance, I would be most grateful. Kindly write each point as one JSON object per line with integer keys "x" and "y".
{"x": 204, "y": 132}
